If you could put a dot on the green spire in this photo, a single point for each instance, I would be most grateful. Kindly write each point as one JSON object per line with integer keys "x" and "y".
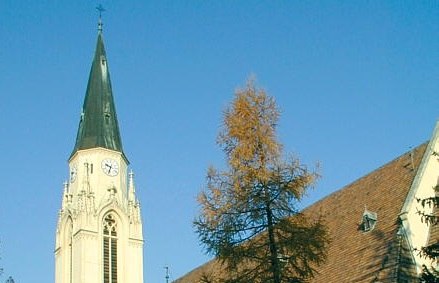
{"x": 98, "y": 125}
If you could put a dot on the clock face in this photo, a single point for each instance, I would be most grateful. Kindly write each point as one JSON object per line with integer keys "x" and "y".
{"x": 73, "y": 173}
{"x": 110, "y": 167}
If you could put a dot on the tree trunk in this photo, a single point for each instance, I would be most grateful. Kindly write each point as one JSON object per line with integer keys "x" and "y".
{"x": 275, "y": 268}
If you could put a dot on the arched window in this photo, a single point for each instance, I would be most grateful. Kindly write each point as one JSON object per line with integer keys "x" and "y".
{"x": 110, "y": 249}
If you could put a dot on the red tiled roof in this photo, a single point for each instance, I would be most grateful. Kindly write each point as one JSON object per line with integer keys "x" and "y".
{"x": 380, "y": 255}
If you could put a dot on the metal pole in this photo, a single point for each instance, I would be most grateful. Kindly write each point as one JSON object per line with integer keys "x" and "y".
{"x": 167, "y": 274}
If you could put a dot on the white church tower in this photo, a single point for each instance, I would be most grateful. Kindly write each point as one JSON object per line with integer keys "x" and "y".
{"x": 99, "y": 233}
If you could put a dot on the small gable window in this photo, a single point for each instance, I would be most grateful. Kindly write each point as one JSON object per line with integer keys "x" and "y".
{"x": 103, "y": 60}
{"x": 369, "y": 220}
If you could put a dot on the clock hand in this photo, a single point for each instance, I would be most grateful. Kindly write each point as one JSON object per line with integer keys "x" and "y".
{"x": 109, "y": 167}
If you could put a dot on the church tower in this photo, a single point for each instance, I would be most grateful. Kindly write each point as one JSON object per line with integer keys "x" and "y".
{"x": 99, "y": 232}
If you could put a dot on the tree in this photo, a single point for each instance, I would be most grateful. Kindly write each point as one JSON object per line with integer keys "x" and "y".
{"x": 431, "y": 251}
{"x": 249, "y": 217}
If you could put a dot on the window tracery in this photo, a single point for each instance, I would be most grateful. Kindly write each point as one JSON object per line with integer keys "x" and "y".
{"x": 110, "y": 249}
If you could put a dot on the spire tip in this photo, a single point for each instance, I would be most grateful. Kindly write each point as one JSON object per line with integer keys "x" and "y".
{"x": 100, "y": 9}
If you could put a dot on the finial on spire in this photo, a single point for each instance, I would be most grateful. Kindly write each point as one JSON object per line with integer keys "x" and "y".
{"x": 100, "y": 9}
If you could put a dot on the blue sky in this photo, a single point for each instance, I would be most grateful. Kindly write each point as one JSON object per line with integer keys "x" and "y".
{"x": 357, "y": 84}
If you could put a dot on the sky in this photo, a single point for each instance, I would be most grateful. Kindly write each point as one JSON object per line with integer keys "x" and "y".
{"x": 357, "y": 84}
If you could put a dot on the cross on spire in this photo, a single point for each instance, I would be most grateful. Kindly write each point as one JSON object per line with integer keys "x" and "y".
{"x": 100, "y": 9}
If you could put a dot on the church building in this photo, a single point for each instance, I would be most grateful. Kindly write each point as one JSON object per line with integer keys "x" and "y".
{"x": 99, "y": 232}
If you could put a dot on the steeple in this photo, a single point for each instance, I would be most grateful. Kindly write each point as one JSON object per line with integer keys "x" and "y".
{"x": 99, "y": 234}
{"x": 98, "y": 126}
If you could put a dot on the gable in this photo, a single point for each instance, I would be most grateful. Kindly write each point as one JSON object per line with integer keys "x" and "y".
{"x": 422, "y": 187}
{"x": 358, "y": 256}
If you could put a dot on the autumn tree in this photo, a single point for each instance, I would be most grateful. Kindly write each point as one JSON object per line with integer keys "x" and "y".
{"x": 249, "y": 217}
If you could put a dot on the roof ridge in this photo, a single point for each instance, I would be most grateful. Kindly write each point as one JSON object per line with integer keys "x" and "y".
{"x": 367, "y": 175}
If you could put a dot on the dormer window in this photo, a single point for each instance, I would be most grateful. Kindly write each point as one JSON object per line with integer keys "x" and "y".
{"x": 103, "y": 60}
{"x": 369, "y": 220}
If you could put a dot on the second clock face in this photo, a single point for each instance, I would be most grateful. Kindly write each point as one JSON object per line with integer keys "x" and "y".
{"x": 73, "y": 173}
{"x": 110, "y": 167}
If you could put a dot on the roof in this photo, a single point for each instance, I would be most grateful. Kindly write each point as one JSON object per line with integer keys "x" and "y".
{"x": 98, "y": 126}
{"x": 379, "y": 255}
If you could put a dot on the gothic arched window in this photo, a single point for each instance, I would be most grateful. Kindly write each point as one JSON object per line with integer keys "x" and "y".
{"x": 110, "y": 249}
